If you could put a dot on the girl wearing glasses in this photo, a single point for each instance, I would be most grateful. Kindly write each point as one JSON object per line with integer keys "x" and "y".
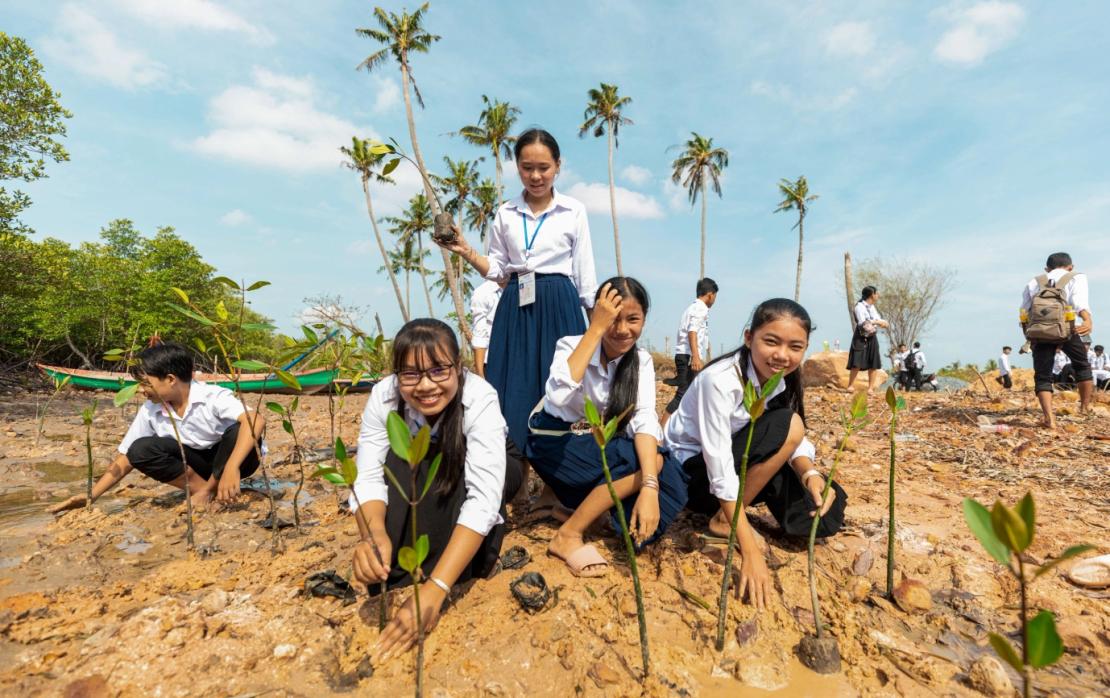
{"x": 463, "y": 513}
{"x": 540, "y": 245}
{"x": 606, "y": 366}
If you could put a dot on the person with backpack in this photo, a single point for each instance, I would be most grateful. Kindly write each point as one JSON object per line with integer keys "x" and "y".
{"x": 1050, "y": 304}
{"x": 914, "y": 365}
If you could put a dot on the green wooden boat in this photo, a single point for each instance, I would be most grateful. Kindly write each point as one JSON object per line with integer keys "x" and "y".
{"x": 311, "y": 381}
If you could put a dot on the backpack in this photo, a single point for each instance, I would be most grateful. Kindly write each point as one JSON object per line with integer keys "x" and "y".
{"x": 1048, "y": 315}
{"x": 910, "y": 363}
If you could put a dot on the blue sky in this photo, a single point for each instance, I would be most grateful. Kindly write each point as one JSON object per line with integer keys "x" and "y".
{"x": 967, "y": 134}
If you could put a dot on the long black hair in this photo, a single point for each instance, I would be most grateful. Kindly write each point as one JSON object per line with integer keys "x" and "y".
{"x": 867, "y": 292}
{"x": 769, "y": 311}
{"x": 626, "y": 382}
{"x": 533, "y": 136}
{"x": 433, "y": 341}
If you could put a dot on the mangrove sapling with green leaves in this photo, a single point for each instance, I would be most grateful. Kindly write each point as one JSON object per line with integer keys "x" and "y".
{"x": 286, "y": 415}
{"x": 896, "y": 404}
{"x": 346, "y": 474}
{"x": 87, "y": 419}
{"x": 603, "y": 433}
{"x": 819, "y": 651}
{"x": 754, "y": 405}
{"x": 1005, "y": 533}
{"x": 59, "y": 385}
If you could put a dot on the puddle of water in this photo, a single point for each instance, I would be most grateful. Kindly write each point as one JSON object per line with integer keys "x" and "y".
{"x": 58, "y": 471}
{"x": 800, "y": 683}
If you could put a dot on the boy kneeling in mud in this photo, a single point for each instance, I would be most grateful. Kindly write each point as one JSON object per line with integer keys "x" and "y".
{"x": 215, "y": 430}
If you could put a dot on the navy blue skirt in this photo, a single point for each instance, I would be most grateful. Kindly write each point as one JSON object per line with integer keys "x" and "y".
{"x": 571, "y": 466}
{"x": 522, "y": 345}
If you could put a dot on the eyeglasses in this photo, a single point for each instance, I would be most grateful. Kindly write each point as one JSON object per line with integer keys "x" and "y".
{"x": 436, "y": 374}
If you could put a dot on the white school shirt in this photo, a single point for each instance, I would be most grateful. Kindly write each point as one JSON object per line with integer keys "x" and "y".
{"x": 483, "y": 305}
{"x": 1075, "y": 293}
{"x": 866, "y": 311}
{"x": 1004, "y": 365}
{"x": 694, "y": 319}
{"x": 565, "y": 398}
{"x": 710, "y": 413}
{"x": 1099, "y": 362}
{"x": 211, "y": 411}
{"x": 483, "y": 470}
{"x": 1059, "y": 361}
{"x": 900, "y": 360}
{"x": 919, "y": 359}
{"x": 562, "y": 245}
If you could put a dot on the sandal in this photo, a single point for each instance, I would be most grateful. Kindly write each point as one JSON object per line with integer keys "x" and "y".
{"x": 586, "y": 562}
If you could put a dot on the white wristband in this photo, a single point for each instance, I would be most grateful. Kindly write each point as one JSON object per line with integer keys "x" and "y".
{"x": 441, "y": 584}
{"x": 808, "y": 474}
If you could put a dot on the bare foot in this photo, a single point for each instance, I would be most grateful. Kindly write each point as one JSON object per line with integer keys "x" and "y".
{"x": 202, "y": 498}
{"x": 721, "y": 527}
{"x": 564, "y": 544}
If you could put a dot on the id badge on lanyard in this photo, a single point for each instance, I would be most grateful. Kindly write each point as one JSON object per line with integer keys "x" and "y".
{"x": 527, "y": 281}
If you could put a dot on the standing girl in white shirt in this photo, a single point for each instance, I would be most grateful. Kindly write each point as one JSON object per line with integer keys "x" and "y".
{"x": 463, "y": 511}
{"x": 606, "y": 366}
{"x": 864, "y": 352}
{"x": 709, "y": 431}
{"x": 540, "y": 245}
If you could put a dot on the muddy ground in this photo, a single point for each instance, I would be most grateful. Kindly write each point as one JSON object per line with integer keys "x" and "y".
{"x": 107, "y": 601}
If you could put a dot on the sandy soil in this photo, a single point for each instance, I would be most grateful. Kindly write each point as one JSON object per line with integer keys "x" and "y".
{"x": 107, "y": 601}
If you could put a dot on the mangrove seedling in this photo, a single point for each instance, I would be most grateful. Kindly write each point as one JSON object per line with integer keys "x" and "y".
{"x": 819, "y": 651}
{"x": 59, "y": 385}
{"x": 754, "y": 405}
{"x": 286, "y": 415}
{"x": 603, "y": 433}
{"x": 87, "y": 420}
{"x": 1005, "y": 533}
{"x": 896, "y": 404}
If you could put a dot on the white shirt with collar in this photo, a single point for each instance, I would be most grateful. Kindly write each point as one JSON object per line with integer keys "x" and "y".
{"x": 562, "y": 245}
{"x": 919, "y": 359}
{"x": 900, "y": 360}
{"x": 1059, "y": 361}
{"x": 211, "y": 411}
{"x": 1099, "y": 362}
{"x": 565, "y": 398}
{"x": 1075, "y": 293}
{"x": 866, "y": 311}
{"x": 710, "y": 413}
{"x": 694, "y": 319}
{"x": 483, "y": 469}
{"x": 1004, "y": 365}
{"x": 483, "y": 305}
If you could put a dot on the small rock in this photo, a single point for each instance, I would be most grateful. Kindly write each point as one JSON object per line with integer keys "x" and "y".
{"x": 285, "y": 651}
{"x": 761, "y": 675}
{"x": 859, "y": 588}
{"x": 746, "y": 632}
{"x": 912, "y": 596}
{"x": 863, "y": 562}
{"x": 988, "y": 676}
{"x": 820, "y": 654}
{"x": 603, "y": 675}
{"x": 214, "y": 601}
{"x": 628, "y": 606}
{"x": 493, "y": 688}
{"x": 1076, "y": 634}
{"x": 94, "y": 686}
{"x": 1093, "y": 573}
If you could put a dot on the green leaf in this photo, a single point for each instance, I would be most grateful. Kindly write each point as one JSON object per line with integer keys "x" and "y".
{"x": 1009, "y": 527}
{"x": 901, "y": 404}
{"x": 891, "y": 398}
{"x": 406, "y": 557}
{"x": 419, "y": 446}
{"x": 309, "y": 334}
{"x": 335, "y": 479}
{"x": 340, "y": 449}
{"x": 749, "y": 396}
{"x": 349, "y": 470}
{"x": 200, "y": 345}
{"x": 181, "y": 294}
{"x": 287, "y": 426}
{"x": 380, "y": 148}
{"x": 1045, "y": 645}
{"x": 1027, "y": 510}
{"x": 610, "y": 429}
{"x": 433, "y": 469}
{"x": 250, "y": 365}
{"x": 757, "y": 408}
{"x": 257, "y": 285}
{"x": 1066, "y": 555}
{"x": 234, "y": 285}
{"x": 422, "y": 548}
{"x": 287, "y": 379}
{"x": 295, "y": 404}
{"x": 399, "y": 436}
{"x": 1005, "y": 651}
{"x": 858, "y": 409}
{"x": 392, "y": 478}
{"x": 770, "y": 385}
{"x": 591, "y": 413}
{"x": 275, "y": 407}
{"x": 258, "y": 327}
{"x": 125, "y": 394}
{"x": 979, "y": 521}
{"x": 390, "y": 166}
{"x": 221, "y": 311}
{"x": 190, "y": 314}
{"x": 599, "y": 436}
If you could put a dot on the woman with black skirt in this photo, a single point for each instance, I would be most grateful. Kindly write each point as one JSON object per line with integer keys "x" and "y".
{"x": 463, "y": 512}
{"x": 864, "y": 352}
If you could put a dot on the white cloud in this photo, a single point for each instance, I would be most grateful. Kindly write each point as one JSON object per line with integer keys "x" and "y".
{"x": 630, "y": 204}
{"x": 636, "y": 175}
{"x": 87, "y": 45}
{"x": 850, "y": 39}
{"x": 677, "y": 197}
{"x": 387, "y": 94}
{"x": 977, "y": 31}
{"x": 275, "y": 123}
{"x": 235, "y": 217}
{"x": 195, "y": 14}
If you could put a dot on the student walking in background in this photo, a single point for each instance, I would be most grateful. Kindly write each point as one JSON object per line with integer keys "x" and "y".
{"x": 1005, "y": 378}
{"x": 915, "y": 364}
{"x": 1100, "y": 366}
{"x": 483, "y": 304}
{"x": 691, "y": 344}
{"x": 864, "y": 352}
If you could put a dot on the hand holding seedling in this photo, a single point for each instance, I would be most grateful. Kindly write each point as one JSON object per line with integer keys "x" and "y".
{"x": 369, "y": 567}
{"x": 815, "y": 485}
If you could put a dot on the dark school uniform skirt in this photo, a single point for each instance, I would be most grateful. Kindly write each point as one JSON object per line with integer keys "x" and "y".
{"x": 864, "y": 352}
{"x": 785, "y": 496}
{"x": 522, "y": 345}
{"x": 571, "y": 465}
{"x": 437, "y": 515}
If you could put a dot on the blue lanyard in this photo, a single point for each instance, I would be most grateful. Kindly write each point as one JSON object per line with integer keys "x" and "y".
{"x": 524, "y": 221}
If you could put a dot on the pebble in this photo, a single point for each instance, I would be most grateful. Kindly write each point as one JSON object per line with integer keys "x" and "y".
{"x": 604, "y": 675}
{"x": 628, "y": 606}
{"x": 214, "y": 601}
{"x": 768, "y": 677}
{"x": 285, "y": 651}
{"x": 988, "y": 676}
{"x": 912, "y": 596}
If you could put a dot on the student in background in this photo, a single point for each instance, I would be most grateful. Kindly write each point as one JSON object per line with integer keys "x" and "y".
{"x": 1100, "y": 366}
{"x": 915, "y": 364}
{"x": 900, "y": 375}
{"x": 691, "y": 346}
{"x": 1063, "y": 373}
{"x": 1005, "y": 378}
{"x": 483, "y": 304}
{"x": 864, "y": 352}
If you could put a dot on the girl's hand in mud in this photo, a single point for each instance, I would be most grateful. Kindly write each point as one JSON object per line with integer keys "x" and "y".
{"x": 75, "y": 502}
{"x": 368, "y": 568}
{"x": 606, "y": 309}
{"x": 400, "y": 634}
{"x": 228, "y": 490}
{"x": 815, "y": 484}
{"x": 755, "y": 578}
{"x": 645, "y": 515}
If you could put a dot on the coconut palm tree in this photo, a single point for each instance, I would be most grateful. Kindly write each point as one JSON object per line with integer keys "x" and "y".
{"x": 466, "y": 280}
{"x": 402, "y": 259}
{"x": 494, "y": 131}
{"x": 796, "y": 196}
{"x": 461, "y": 181}
{"x": 402, "y": 35}
{"x": 482, "y": 207}
{"x": 416, "y": 220}
{"x": 369, "y": 165}
{"x": 698, "y": 168}
{"x": 603, "y": 116}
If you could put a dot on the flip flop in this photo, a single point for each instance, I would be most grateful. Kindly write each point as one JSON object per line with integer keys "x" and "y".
{"x": 587, "y": 562}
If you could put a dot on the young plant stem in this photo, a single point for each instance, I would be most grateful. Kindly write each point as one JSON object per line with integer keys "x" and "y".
{"x": 417, "y": 573}
{"x": 383, "y": 603}
{"x": 1026, "y": 675}
{"x": 300, "y": 468}
{"x": 631, "y": 550}
{"x": 275, "y": 530}
{"x": 890, "y": 513}
{"x": 189, "y": 539}
{"x": 726, "y": 578}
{"x": 89, "y": 458}
{"x": 813, "y": 538}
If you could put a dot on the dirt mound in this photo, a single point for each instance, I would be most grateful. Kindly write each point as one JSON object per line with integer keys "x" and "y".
{"x": 829, "y": 369}
{"x": 1022, "y": 377}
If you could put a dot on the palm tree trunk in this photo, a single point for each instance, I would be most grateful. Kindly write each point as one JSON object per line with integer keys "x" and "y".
{"x": 381, "y": 248}
{"x": 500, "y": 194}
{"x": 429, "y": 190}
{"x": 459, "y": 260}
{"x": 613, "y": 205}
{"x": 408, "y": 287}
{"x": 424, "y": 272}
{"x": 701, "y": 273}
{"x": 849, "y": 291}
{"x": 798, "y": 278}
